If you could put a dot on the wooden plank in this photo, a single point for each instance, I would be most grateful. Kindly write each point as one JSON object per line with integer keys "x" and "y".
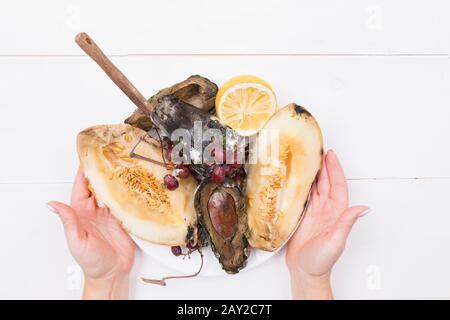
{"x": 38, "y": 264}
{"x": 237, "y": 27}
{"x": 397, "y": 251}
{"x": 386, "y": 116}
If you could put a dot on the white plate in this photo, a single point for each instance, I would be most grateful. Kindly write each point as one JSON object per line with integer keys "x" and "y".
{"x": 211, "y": 267}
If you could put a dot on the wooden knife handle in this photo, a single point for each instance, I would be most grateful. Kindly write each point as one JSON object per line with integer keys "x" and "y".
{"x": 92, "y": 50}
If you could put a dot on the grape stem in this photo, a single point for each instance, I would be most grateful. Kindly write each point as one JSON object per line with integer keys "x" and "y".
{"x": 164, "y": 164}
{"x": 162, "y": 282}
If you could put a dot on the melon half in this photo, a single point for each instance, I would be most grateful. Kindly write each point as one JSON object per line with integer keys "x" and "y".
{"x": 133, "y": 189}
{"x": 288, "y": 156}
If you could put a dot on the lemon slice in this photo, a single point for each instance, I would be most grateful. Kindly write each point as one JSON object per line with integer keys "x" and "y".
{"x": 245, "y": 103}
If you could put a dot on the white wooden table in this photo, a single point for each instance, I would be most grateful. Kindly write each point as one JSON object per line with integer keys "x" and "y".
{"x": 376, "y": 74}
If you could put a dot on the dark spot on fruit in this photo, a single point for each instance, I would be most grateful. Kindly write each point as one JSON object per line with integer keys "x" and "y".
{"x": 190, "y": 233}
{"x": 300, "y": 110}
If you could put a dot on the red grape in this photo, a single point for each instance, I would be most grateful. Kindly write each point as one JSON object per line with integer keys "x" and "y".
{"x": 176, "y": 251}
{"x": 171, "y": 182}
{"x": 184, "y": 172}
{"x": 218, "y": 174}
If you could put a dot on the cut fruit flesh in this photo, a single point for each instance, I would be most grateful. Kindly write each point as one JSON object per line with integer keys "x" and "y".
{"x": 278, "y": 186}
{"x": 133, "y": 188}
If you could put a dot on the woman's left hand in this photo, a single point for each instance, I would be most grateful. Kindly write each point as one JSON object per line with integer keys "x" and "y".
{"x": 320, "y": 239}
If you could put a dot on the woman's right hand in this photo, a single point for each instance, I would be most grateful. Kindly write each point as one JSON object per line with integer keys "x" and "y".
{"x": 97, "y": 241}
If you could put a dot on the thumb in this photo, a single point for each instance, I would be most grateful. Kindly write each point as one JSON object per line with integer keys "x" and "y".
{"x": 69, "y": 220}
{"x": 348, "y": 219}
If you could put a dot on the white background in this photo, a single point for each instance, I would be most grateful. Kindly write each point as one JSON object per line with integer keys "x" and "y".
{"x": 376, "y": 75}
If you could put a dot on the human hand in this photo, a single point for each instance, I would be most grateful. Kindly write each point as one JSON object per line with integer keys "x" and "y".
{"x": 320, "y": 239}
{"x": 97, "y": 241}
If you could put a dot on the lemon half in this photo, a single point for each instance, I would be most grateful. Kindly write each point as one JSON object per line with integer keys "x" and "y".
{"x": 246, "y": 103}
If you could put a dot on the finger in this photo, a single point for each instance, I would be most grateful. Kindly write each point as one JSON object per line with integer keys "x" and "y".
{"x": 347, "y": 220}
{"x": 323, "y": 183}
{"x": 338, "y": 183}
{"x": 69, "y": 219}
{"x": 80, "y": 190}
{"x": 314, "y": 197}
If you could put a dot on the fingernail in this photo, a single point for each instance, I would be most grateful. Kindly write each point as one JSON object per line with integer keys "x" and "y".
{"x": 364, "y": 213}
{"x": 331, "y": 151}
{"x": 51, "y": 208}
